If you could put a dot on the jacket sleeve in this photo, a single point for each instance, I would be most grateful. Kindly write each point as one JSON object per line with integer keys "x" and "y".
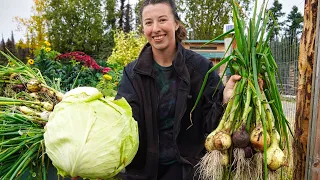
{"x": 127, "y": 91}
{"x": 212, "y": 102}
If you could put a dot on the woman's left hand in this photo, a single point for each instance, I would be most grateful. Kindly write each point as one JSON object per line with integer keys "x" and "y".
{"x": 227, "y": 92}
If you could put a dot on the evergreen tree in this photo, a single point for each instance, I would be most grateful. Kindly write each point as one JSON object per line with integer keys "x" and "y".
{"x": 110, "y": 14}
{"x": 128, "y": 18}
{"x": 2, "y": 48}
{"x": 12, "y": 38}
{"x": 277, "y": 13}
{"x": 13, "y": 49}
{"x": 121, "y": 14}
{"x": 137, "y": 15}
{"x": 294, "y": 24}
{"x": 109, "y": 20}
{"x": 205, "y": 18}
{"x": 11, "y": 46}
{"x": 2, "y": 45}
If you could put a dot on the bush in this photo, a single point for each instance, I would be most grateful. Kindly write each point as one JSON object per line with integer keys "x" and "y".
{"x": 67, "y": 71}
{"x": 127, "y": 48}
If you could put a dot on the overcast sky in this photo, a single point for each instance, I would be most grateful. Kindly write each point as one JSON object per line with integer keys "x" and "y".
{"x": 22, "y": 8}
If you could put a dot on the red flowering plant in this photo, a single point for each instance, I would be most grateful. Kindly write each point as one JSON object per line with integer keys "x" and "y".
{"x": 74, "y": 69}
{"x": 82, "y": 58}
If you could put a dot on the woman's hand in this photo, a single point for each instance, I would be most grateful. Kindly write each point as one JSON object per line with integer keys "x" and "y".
{"x": 227, "y": 92}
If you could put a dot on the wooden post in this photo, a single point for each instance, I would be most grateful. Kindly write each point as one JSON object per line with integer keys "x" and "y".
{"x": 303, "y": 110}
{"x": 313, "y": 155}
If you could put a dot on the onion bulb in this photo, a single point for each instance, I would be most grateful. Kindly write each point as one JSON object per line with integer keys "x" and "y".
{"x": 59, "y": 96}
{"x": 27, "y": 111}
{"x": 47, "y": 106}
{"x": 218, "y": 141}
{"x": 275, "y": 156}
{"x": 18, "y": 87}
{"x": 241, "y": 138}
{"x": 44, "y": 115}
{"x": 33, "y": 85}
{"x": 256, "y": 138}
{"x": 34, "y": 95}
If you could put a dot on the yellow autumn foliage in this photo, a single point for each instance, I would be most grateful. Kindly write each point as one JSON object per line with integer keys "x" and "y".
{"x": 127, "y": 47}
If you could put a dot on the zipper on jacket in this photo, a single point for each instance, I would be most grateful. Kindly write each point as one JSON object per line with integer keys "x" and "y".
{"x": 180, "y": 159}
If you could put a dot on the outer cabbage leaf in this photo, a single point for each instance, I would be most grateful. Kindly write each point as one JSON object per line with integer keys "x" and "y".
{"x": 91, "y": 136}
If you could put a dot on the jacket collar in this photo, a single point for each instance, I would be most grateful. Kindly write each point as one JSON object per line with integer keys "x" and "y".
{"x": 145, "y": 62}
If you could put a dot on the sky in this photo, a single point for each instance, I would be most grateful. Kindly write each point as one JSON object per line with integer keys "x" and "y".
{"x": 22, "y": 8}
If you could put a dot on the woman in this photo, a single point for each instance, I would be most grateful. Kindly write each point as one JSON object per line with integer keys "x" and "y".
{"x": 161, "y": 87}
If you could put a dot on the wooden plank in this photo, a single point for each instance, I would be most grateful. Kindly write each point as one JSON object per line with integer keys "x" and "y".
{"x": 316, "y": 156}
{"x": 313, "y": 155}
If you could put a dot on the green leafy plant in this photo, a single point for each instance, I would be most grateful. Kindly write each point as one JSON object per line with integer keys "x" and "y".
{"x": 69, "y": 70}
{"x": 109, "y": 82}
{"x": 127, "y": 48}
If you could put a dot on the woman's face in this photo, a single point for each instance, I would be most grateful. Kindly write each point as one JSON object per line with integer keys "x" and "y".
{"x": 159, "y": 26}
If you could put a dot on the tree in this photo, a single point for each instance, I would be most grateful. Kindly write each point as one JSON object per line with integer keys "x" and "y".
{"x": 2, "y": 45}
{"x": 22, "y": 50}
{"x": 11, "y": 46}
{"x": 295, "y": 23}
{"x": 137, "y": 14}
{"x": 2, "y": 48}
{"x": 35, "y": 25}
{"x": 303, "y": 110}
{"x": 110, "y": 14}
{"x": 121, "y": 14}
{"x": 109, "y": 19}
{"x": 128, "y": 19}
{"x": 205, "y": 18}
{"x": 277, "y": 13}
{"x": 75, "y": 25}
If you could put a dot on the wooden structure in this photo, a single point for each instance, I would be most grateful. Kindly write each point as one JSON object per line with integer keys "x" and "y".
{"x": 313, "y": 151}
{"x": 213, "y": 51}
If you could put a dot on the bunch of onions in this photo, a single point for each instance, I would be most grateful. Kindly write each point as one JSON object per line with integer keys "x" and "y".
{"x": 23, "y": 82}
{"x": 25, "y": 105}
{"x": 253, "y": 125}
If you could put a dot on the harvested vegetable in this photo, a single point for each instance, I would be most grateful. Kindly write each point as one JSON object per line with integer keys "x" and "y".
{"x": 24, "y": 111}
{"x": 254, "y": 117}
{"x": 100, "y": 131}
{"x": 90, "y": 136}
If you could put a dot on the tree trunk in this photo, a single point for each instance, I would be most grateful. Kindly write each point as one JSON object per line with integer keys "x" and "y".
{"x": 303, "y": 111}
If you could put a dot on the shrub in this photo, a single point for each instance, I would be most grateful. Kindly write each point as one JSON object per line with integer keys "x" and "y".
{"x": 127, "y": 48}
{"x": 67, "y": 71}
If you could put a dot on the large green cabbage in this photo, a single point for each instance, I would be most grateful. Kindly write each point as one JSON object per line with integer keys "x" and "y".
{"x": 91, "y": 136}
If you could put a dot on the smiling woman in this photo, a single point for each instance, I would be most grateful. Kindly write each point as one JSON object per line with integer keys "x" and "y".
{"x": 161, "y": 86}
{"x": 159, "y": 27}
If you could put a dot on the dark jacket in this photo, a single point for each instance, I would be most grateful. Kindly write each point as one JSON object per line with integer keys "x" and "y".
{"x": 139, "y": 89}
